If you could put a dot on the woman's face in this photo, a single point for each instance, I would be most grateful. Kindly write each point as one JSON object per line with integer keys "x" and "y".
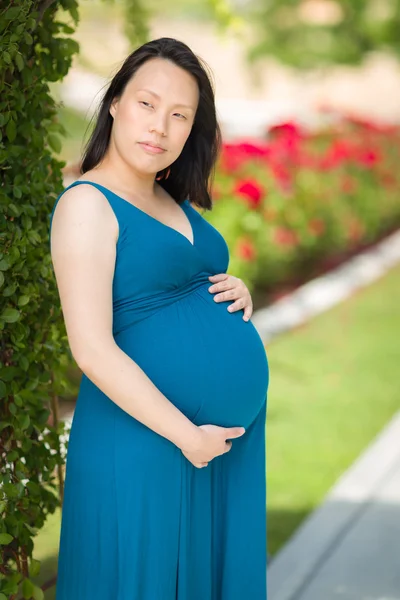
{"x": 158, "y": 105}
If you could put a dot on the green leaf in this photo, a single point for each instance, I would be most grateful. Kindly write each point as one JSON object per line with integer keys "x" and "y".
{"x": 28, "y": 38}
{"x": 1, "y": 278}
{"x": 54, "y": 142}
{"x": 19, "y": 61}
{"x": 3, "y": 389}
{"x": 23, "y": 300}
{"x": 34, "y": 568}
{"x": 7, "y": 58}
{"x": 27, "y": 589}
{"x": 17, "y": 192}
{"x": 9, "y": 373}
{"x": 24, "y": 364}
{"x": 3, "y": 597}
{"x": 10, "y": 587}
{"x": 9, "y": 290}
{"x": 26, "y": 221}
{"x": 10, "y": 315}
{"x": 38, "y": 593}
{"x": 13, "y": 455}
{"x": 74, "y": 14}
{"x": 13, "y": 208}
{"x": 4, "y": 264}
{"x": 25, "y": 422}
{"x": 5, "y": 538}
{"x": 17, "y": 398}
{"x": 33, "y": 530}
{"x": 11, "y": 130}
{"x": 12, "y": 13}
{"x": 20, "y": 488}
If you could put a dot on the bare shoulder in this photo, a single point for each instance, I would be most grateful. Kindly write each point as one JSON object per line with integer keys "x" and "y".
{"x": 83, "y": 200}
{"x": 83, "y": 210}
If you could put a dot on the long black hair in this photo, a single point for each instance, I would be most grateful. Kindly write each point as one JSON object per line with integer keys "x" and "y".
{"x": 190, "y": 173}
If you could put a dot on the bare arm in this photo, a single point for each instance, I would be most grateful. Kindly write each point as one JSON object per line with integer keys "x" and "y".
{"x": 83, "y": 250}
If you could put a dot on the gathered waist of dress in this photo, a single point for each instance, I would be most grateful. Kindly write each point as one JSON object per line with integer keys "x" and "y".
{"x": 129, "y": 311}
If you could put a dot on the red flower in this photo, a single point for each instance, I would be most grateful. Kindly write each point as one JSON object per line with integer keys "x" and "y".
{"x": 339, "y": 152}
{"x": 245, "y": 249}
{"x": 288, "y": 128}
{"x": 368, "y": 157}
{"x": 251, "y": 191}
{"x": 251, "y": 150}
{"x": 234, "y": 155}
{"x": 285, "y": 237}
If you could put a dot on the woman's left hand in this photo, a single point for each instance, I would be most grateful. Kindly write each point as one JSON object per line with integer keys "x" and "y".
{"x": 232, "y": 288}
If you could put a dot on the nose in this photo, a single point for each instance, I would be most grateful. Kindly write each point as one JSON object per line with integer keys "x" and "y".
{"x": 159, "y": 124}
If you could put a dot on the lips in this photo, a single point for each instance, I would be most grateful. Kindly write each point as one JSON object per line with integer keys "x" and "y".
{"x": 151, "y": 148}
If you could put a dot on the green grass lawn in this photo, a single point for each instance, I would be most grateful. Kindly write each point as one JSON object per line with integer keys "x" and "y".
{"x": 333, "y": 387}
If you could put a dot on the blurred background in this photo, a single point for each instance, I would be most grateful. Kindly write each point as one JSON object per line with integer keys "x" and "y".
{"x": 308, "y": 97}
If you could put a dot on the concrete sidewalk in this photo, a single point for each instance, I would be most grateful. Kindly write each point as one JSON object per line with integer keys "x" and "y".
{"x": 349, "y": 548}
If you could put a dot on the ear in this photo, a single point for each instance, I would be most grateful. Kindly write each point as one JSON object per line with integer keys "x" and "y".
{"x": 113, "y": 107}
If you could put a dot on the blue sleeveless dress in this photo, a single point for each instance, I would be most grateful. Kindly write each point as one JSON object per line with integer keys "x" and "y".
{"x": 139, "y": 521}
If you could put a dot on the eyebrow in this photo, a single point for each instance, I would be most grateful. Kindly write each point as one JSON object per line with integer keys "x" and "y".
{"x": 157, "y": 96}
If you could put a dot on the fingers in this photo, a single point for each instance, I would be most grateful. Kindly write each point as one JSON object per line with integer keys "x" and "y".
{"x": 233, "y": 294}
{"x": 234, "y": 432}
{"x": 237, "y": 305}
{"x": 218, "y": 277}
{"x": 248, "y": 311}
{"x": 221, "y": 286}
{"x": 228, "y": 446}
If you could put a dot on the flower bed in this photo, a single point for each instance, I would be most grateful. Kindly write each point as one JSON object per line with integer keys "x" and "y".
{"x": 299, "y": 203}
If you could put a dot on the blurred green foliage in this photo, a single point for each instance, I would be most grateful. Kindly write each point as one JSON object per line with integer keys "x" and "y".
{"x": 315, "y": 33}
{"x": 137, "y": 14}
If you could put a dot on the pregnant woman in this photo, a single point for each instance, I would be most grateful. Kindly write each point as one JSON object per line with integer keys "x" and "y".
{"x": 165, "y": 490}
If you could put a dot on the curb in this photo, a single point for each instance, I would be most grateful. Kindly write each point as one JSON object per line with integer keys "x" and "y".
{"x": 298, "y": 563}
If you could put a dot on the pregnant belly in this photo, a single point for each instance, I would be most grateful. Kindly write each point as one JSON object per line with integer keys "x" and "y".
{"x": 209, "y": 363}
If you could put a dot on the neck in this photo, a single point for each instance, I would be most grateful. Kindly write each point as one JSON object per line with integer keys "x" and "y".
{"x": 123, "y": 177}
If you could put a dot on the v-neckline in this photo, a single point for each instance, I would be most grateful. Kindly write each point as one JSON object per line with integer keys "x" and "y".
{"x": 147, "y": 214}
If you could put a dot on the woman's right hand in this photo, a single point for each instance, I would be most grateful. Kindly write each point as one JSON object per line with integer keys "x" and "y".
{"x": 211, "y": 442}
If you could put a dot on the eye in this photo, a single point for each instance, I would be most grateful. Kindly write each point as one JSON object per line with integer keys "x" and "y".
{"x": 183, "y": 116}
{"x": 143, "y": 102}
